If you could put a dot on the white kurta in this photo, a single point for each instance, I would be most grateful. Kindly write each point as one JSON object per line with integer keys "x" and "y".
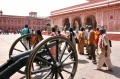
{"x": 101, "y": 52}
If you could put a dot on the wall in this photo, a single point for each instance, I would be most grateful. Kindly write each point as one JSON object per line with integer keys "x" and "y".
{"x": 18, "y": 22}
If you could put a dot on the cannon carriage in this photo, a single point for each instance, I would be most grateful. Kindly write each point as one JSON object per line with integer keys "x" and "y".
{"x": 38, "y": 62}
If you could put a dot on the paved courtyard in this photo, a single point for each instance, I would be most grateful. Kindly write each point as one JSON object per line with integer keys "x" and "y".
{"x": 85, "y": 66}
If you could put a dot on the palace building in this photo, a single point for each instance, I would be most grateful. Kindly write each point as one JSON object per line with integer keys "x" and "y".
{"x": 12, "y": 22}
{"x": 94, "y": 12}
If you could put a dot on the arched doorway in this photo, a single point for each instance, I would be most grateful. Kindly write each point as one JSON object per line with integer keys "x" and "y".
{"x": 91, "y": 20}
{"x": 77, "y": 24}
{"x": 66, "y": 24}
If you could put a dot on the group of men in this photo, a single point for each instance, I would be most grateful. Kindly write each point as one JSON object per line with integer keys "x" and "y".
{"x": 98, "y": 45}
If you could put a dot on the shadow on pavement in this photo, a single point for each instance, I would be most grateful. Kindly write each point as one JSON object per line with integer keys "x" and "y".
{"x": 82, "y": 61}
{"x": 115, "y": 72}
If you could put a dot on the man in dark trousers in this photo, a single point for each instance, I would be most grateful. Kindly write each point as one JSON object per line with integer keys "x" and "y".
{"x": 91, "y": 43}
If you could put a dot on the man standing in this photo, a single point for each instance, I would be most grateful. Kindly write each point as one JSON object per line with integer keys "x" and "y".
{"x": 24, "y": 31}
{"x": 91, "y": 43}
{"x": 81, "y": 38}
{"x": 103, "y": 50}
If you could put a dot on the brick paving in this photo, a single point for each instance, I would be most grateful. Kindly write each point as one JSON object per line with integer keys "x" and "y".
{"x": 85, "y": 66}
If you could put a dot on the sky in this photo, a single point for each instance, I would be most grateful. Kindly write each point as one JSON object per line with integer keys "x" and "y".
{"x": 42, "y": 7}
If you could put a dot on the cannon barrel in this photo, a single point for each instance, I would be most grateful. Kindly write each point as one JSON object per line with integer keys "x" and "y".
{"x": 13, "y": 68}
{"x": 14, "y": 58}
{"x": 16, "y": 62}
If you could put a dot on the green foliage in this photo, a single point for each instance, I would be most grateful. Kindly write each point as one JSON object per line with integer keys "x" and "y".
{"x": 55, "y": 26}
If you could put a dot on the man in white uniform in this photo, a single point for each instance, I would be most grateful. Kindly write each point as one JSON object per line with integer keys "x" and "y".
{"x": 104, "y": 51}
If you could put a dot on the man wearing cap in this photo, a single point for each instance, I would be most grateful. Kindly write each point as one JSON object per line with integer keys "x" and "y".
{"x": 103, "y": 50}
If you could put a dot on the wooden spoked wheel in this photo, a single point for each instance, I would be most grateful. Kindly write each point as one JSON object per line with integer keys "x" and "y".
{"x": 19, "y": 47}
{"x": 59, "y": 66}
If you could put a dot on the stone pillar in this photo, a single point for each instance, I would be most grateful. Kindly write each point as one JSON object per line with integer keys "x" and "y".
{"x": 59, "y": 23}
{"x": 102, "y": 19}
{"x": 99, "y": 17}
{"x": 70, "y": 21}
{"x": 52, "y": 22}
{"x": 82, "y": 20}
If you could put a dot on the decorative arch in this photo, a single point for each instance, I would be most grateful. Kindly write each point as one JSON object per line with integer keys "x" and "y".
{"x": 90, "y": 20}
{"x": 76, "y": 23}
{"x": 66, "y": 23}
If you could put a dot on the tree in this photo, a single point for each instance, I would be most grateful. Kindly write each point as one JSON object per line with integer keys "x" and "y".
{"x": 56, "y": 27}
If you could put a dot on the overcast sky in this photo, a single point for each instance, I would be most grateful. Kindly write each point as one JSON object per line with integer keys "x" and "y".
{"x": 42, "y": 7}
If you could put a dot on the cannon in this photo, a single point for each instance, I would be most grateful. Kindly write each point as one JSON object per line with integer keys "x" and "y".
{"x": 38, "y": 62}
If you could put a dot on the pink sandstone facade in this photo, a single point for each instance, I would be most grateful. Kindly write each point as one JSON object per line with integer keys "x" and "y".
{"x": 94, "y": 12}
{"x": 17, "y": 22}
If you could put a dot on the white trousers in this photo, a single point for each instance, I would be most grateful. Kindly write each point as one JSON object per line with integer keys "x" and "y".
{"x": 102, "y": 59}
{"x": 26, "y": 43}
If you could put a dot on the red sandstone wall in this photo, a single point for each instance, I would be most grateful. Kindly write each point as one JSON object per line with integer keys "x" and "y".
{"x": 18, "y": 22}
{"x": 115, "y": 37}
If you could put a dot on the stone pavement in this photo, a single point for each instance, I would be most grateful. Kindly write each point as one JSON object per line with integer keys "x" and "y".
{"x": 85, "y": 66}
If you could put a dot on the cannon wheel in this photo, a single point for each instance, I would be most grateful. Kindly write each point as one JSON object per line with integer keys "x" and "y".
{"x": 19, "y": 47}
{"x": 60, "y": 66}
